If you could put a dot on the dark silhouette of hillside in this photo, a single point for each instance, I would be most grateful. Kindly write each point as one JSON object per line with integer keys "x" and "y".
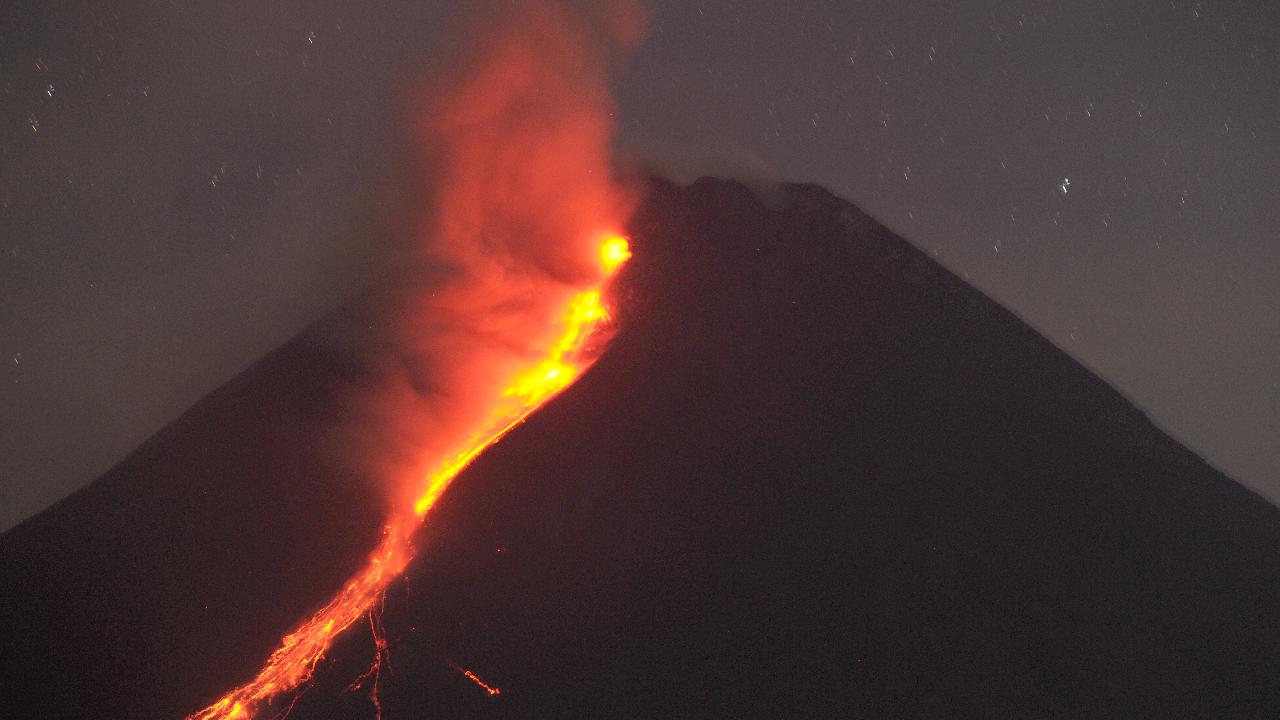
{"x": 815, "y": 475}
{"x": 195, "y": 553}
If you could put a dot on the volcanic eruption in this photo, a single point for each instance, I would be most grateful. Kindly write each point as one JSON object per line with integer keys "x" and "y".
{"x": 526, "y": 218}
{"x": 811, "y": 473}
{"x": 847, "y": 484}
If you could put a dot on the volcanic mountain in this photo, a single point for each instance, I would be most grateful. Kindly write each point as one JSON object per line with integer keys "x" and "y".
{"x": 814, "y": 475}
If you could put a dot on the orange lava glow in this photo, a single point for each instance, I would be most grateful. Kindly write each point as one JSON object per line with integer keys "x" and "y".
{"x": 528, "y": 390}
{"x": 372, "y": 678}
{"x": 614, "y": 251}
{"x": 292, "y": 664}
{"x": 526, "y": 205}
{"x": 486, "y": 686}
{"x": 491, "y": 690}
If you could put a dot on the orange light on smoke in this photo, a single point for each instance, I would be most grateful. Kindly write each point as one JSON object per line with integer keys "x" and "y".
{"x": 526, "y": 207}
{"x": 528, "y": 390}
{"x": 294, "y": 662}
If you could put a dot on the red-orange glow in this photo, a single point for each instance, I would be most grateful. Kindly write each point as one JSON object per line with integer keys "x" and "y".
{"x": 490, "y": 689}
{"x": 294, "y": 662}
{"x": 614, "y": 251}
{"x": 528, "y": 390}
{"x": 487, "y": 687}
{"x": 516, "y": 141}
{"x": 372, "y": 678}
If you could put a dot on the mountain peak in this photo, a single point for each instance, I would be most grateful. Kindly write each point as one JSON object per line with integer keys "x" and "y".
{"x": 814, "y": 475}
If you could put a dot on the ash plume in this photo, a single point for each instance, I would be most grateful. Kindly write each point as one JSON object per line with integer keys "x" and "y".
{"x": 515, "y": 137}
{"x": 525, "y": 223}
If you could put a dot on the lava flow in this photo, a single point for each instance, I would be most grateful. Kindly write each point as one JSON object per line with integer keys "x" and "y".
{"x": 294, "y": 662}
{"x": 524, "y": 225}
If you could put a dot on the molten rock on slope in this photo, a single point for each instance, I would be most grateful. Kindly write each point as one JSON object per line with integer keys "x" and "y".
{"x": 815, "y": 475}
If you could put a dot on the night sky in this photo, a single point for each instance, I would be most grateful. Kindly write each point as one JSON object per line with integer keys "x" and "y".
{"x": 184, "y": 186}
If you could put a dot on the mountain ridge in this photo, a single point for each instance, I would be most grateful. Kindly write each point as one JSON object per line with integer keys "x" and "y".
{"x": 814, "y": 472}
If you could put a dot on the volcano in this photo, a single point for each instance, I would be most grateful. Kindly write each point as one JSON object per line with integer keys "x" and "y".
{"x": 814, "y": 475}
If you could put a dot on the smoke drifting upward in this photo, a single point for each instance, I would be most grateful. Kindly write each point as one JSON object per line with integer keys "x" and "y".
{"x": 516, "y": 138}
{"x": 526, "y": 218}
{"x": 520, "y": 139}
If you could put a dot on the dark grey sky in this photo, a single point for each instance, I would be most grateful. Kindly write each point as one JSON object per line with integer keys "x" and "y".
{"x": 184, "y": 185}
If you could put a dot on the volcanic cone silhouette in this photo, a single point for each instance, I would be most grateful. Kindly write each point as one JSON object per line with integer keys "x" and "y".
{"x": 815, "y": 475}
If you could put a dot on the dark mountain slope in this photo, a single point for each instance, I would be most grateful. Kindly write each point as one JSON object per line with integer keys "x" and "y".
{"x": 818, "y": 476}
{"x": 815, "y": 475}
{"x": 196, "y": 552}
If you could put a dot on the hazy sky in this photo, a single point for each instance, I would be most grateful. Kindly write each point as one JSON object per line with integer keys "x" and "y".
{"x": 184, "y": 185}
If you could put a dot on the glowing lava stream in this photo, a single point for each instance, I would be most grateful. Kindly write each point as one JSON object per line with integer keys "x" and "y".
{"x": 292, "y": 664}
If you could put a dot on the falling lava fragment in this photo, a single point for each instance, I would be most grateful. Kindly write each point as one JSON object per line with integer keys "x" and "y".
{"x": 491, "y": 690}
{"x": 292, "y": 664}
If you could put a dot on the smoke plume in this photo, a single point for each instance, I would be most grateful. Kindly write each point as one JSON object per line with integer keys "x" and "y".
{"x": 524, "y": 223}
{"x": 516, "y": 138}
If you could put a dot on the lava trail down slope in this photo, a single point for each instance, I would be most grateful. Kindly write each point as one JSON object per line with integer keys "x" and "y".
{"x": 814, "y": 475}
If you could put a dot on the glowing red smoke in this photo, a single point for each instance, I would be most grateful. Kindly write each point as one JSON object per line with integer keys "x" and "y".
{"x": 517, "y": 139}
{"x": 527, "y": 216}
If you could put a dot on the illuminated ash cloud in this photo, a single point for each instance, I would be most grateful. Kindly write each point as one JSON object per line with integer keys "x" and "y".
{"x": 526, "y": 219}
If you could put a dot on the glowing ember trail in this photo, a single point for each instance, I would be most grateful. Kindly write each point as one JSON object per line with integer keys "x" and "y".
{"x": 293, "y": 663}
{"x": 487, "y": 687}
{"x": 490, "y": 689}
